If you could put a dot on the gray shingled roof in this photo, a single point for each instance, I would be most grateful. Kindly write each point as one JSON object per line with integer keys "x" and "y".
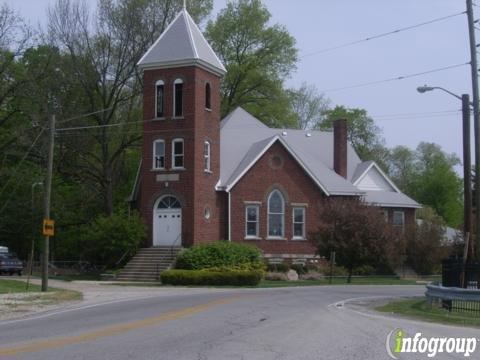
{"x": 182, "y": 43}
{"x": 244, "y": 139}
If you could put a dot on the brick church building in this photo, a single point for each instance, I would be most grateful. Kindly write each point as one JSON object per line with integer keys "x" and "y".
{"x": 203, "y": 179}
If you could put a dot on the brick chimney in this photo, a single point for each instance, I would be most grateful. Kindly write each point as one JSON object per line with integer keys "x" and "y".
{"x": 340, "y": 147}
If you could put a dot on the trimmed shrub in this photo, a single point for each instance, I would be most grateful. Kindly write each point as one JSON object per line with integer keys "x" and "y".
{"x": 207, "y": 277}
{"x": 281, "y": 267}
{"x": 220, "y": 254}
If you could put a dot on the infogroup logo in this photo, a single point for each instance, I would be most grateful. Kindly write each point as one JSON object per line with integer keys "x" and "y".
{"x": 398, "y": 343}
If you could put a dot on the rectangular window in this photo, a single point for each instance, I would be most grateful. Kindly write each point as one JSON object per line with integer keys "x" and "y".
{"x": 159, "y": 154}
{"x": 251, "y": 223}
{"x": 178, "y": 100}
{"x": 399, "y": 220}
{"x": 177, "y": 158}
{"x": 159, "y": 103}
{"x": 299, "y": 223}
{"x": 206, "y": 156}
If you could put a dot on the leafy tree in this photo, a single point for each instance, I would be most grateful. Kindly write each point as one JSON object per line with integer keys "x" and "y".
{"x": 308, "y": 106}
{"x": 363, "y": 133}
{"x": 425, "y": 246}
{"x": 428, "y": 175}
{"x": 258, "y": 57}
{"x": 358, "y": 234}
{"x": 402, "y": 167}
{"x": 107, "y": 238}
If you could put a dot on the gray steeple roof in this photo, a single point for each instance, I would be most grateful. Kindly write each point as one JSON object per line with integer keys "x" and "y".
{"x": 182, "y": 44}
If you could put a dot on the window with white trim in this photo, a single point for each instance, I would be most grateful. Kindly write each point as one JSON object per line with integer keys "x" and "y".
{"x": 251, "y": 221}
{"x": 206, "y": 156}
{"x": 399, "y": 220}
{"x": 298, "y": 214}
{"x": 178, "y": 98}
{"x": 158, "y": 154}
{"x": 159, "y": 96}
{"x": 276, "y": 215}
{"x": 177, "y": 154}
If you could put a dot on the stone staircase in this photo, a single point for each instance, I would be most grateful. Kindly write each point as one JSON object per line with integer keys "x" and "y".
{"x": 147, "y": 264}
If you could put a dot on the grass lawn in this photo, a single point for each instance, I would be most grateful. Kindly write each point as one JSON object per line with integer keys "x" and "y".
{"x": 53, "y": 294}
{"x": 417, "y": 308}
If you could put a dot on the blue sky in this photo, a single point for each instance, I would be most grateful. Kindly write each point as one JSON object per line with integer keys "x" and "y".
{"x": 320, "y": 24}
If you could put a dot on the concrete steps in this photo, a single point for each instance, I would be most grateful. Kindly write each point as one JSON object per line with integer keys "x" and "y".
{"x": 147, "y": 264}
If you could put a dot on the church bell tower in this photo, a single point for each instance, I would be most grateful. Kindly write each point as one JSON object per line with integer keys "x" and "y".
{"x": 181, "y": 137}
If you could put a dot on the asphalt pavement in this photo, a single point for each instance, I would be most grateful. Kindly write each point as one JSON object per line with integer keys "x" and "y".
{"x": 324, "y": 322}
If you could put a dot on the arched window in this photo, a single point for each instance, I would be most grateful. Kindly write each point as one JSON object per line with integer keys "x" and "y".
{"x": 177, "y": 154}
{"x": 276, "y": 215}
{"x": 169, "y": 202}
{"x": 178, "y": 98}
{"x": 159, "y": 95}
{"x": 159, "y": 154}
{"x": 208, "y": 104}
{"x": 206, "y": 156}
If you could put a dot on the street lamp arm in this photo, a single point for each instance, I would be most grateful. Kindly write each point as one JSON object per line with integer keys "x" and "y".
{"x": 425, "y": 88}
{"x": 449, "y": 92}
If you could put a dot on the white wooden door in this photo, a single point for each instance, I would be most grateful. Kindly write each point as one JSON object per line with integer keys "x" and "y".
{"x": 167, "y": 222}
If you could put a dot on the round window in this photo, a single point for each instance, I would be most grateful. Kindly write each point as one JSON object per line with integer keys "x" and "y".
{"x": 276, "y": 162}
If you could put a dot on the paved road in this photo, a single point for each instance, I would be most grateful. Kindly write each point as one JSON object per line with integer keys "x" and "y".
{"x": 290, "y": 323}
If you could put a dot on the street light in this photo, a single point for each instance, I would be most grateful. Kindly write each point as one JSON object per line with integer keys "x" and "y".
{"x": 467, "y": 189}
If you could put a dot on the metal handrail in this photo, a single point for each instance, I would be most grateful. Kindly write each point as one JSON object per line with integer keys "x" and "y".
{"x": 175, "y": 243}
{"x": 452, "y": 293}
{"x": 122, "y": 257}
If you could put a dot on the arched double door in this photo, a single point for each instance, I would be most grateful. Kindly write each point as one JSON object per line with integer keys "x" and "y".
{"x": 167, "y": 222}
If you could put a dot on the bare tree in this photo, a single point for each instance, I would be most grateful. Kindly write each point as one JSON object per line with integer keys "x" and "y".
{"x": 309, "y": 106}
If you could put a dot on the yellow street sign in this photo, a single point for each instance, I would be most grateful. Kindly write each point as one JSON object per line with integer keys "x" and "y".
{"x": 48, "y": 227}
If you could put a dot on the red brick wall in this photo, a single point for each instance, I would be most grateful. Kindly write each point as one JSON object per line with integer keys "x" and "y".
{"x": 195, "y": 188}
{"x": 295, "y": 186}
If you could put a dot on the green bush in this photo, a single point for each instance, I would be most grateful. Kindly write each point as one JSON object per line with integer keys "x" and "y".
{"x": 220, "y": 254}
{"x": 207, "y": 277}
{"x": 337, "y": 270}
{"x": 107, "y": 238}
{"x": 281, "y": 267}
{"x": 364, "y": 270}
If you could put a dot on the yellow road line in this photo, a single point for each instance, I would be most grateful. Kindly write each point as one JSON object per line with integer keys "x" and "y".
{"x": 40, "y": 345}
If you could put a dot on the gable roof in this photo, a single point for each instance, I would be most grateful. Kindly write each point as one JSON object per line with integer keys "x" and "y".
{"x": 244, "y": 140}
{"x": 370, "y": 167}
{"x": 182, "y": 44}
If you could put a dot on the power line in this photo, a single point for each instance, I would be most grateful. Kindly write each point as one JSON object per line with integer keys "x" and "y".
{"x": 427, "y": 113}
{"x": 84, "y": 115}
{"x": 381, "y": 35}
{"x": 403, "y": 77}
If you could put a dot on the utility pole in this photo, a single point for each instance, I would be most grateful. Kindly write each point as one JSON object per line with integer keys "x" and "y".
{"x": 48, "y": 192}
{"x": 467, "y": 183}
{"x": 476, "y": 124}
